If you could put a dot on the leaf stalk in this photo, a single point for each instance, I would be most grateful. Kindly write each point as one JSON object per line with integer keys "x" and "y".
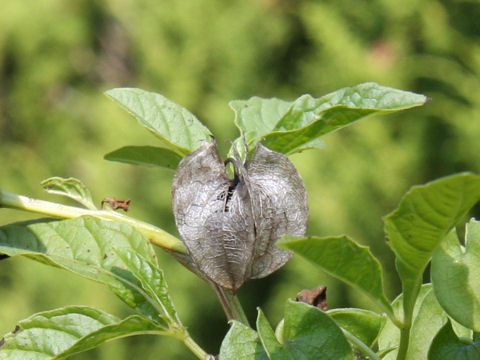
{"x": 360, "y": 345}
{"x": 154, "y": 234}
{"x": 410, "y": 295}
{"x": 231, "y": 305}
{"x": 194, "y": 347}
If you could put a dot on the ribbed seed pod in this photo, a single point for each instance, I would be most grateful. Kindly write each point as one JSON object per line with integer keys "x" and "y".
{"x": 230, "y": 226}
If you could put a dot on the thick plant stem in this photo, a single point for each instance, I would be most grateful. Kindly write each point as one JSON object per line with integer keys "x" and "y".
{"x": 155, "y": 235}
{"x": 404, "y": 340}
{"x": 405, "y": 332}
{"x": 360, "y": 345}
{"x": 230, "y": 304}
{"x": 195, "y": 348}
{"x": 410, "y": 295}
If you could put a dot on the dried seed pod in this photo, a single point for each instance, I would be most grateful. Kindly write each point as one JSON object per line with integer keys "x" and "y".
{"x": 230, "y": 226}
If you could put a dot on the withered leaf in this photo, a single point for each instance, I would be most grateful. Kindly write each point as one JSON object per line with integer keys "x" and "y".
{"x": 316, "y": 297}
{"x": 230, "y": 226}
{"x": 117, "y": 203}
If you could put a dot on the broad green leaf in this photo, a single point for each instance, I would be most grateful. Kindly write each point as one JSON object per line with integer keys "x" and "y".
{"x": 70, "y": 187}
{"x": 241, "y": 343}
{"x": 85, "y": 246}
{"x": 291, "y": 127}
{"x": 447, "y": 346}
{"x": 59, "y": 333}
{"x": 145, "y": 155}
{"x": 456, "y": 276}
{"x": 345, "y": 259}
{"x": 152, "y": 281}
{"x": 428, "y": 319}
{"x": 177, "y": 128}
{"x": 308, "y": 333}
{"x": 257, "y": 117}
{"x": 315, "y": 144}
{"x": 425, "y": 215}
{"x": 309, "y": 118}
{"x": 364, "y": 324}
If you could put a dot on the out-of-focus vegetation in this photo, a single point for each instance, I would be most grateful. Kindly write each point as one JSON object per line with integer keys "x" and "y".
{"x": 56, "y": 58}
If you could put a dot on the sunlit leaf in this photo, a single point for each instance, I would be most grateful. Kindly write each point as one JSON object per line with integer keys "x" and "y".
{"x": 309, "y": 118}
{"x": 241, "y": 343}
{"x": 456, "y": 276}
{"x": 59, "y": 333}
{"x": 151, "y": 279}
{"x": 364, "y": 324}
{"x": 145, "y": 155}
{"x": 424, "y": 216}
{"x": 257, "y": 117}
{"x": 343, "y": 258}
{"x": 290, "y": 127}
{"x": 71, "y": 188}
{"x": 308, "y": 333}
{"x": 177, "y": 128}
{"x": 85, "y": 246}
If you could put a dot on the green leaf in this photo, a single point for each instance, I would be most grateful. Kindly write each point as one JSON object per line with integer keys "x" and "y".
{"x": 279, "y": 331}
{"x": 315, "y": 144}
{"x": 257, "y": 117}
{"x": 241, "y": 343}
{"x": 177, "y": 128}
{"x": 447, "y": 346}
{"x": 428, "y": 319}
{"x": 308, "y": 333}
{"x": 71, "y": 188}
{"x": 145, "y": 155}
{"x": 345, "y": 259}
{"x": 456, "y": 276}
{"x": 88, "y": 247}
{"x": 309, "y": 118}
{"x": 291, "y": 127}
{"x": 364, "y": 324}
{"x": 152, "y": 281}
{"x": 62, "y": 332}
{"x": 425, "y": 215}
{"x": 270, "y": 343}
{"x": 459, "y": 329}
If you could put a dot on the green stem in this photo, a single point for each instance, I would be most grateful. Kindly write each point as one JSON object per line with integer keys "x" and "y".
{"x": 410, "y": 294}
{"x": 231, "y": 305}
{"x": 360, "y": 345}
{"x": 195, "y": 348}
{"x": 405, "y": 331}
{"x": 404, "y": 340}
{"x": 156, "y": 235}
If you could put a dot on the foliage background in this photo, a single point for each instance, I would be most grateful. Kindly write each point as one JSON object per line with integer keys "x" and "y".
{"x": 56, "y": 58}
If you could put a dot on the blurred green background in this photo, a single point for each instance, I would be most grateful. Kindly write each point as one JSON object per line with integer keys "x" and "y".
{"x": 57, "y": 57}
